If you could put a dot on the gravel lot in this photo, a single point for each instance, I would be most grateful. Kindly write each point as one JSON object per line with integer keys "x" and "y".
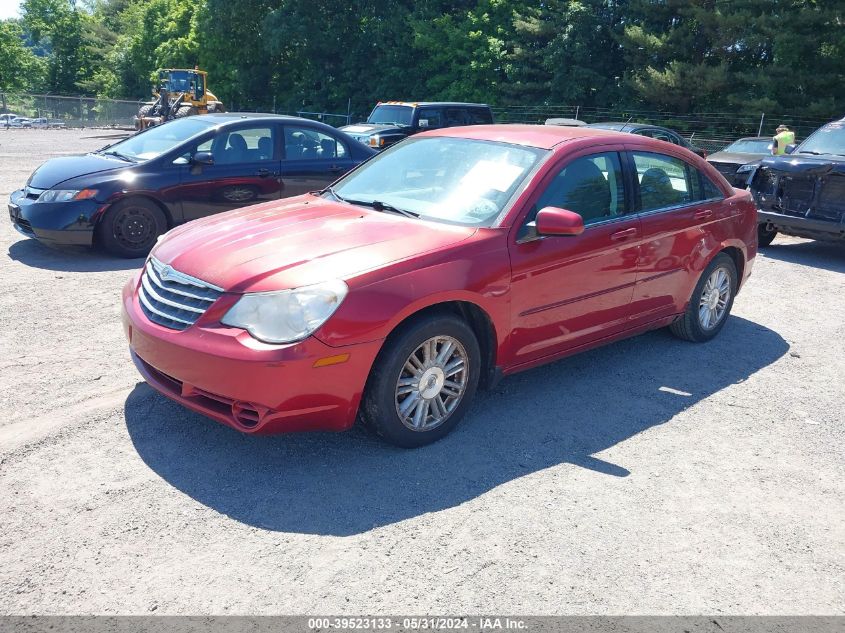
{"x": 652, "y": 476}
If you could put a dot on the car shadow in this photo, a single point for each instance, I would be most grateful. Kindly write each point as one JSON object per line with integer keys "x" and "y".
{"x": 68, "y": 259}
{"x": 824, "y": 255}
{"x": 348, "y": 483}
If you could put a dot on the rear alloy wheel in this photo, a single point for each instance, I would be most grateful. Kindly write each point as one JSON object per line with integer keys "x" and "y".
{"x": 130, "y": 228}
{"x": 423, "y": 381}
{"x": 710, "y": 303}
{"x": 765, "y": 236}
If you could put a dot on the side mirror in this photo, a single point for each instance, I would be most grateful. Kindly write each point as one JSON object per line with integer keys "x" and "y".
{"x": 790, "y": 148}
{"x": 202, "y": 158}
{"x": 554, "y": 221}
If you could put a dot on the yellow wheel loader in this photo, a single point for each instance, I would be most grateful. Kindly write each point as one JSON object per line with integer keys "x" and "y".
{"x": 179, "y": 93}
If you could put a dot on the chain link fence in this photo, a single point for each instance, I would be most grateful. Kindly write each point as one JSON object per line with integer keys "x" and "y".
{"x": 711, "y": 131}
{"x": 70, "y": 111}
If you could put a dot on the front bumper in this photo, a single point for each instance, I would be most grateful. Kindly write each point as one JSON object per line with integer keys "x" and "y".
{"x": 225, "y": 374}
{"x": 70, "y": 223}
{"x": 802, "y": 226}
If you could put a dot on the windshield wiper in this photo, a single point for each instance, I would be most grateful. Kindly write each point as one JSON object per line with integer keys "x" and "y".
{"x": 378, "y": 205}
{"x": 120, "y": 156}
{"x": 808, "y": 151}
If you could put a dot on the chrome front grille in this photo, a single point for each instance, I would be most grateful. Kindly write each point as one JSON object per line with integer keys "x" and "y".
{"x": 173, "y": 299}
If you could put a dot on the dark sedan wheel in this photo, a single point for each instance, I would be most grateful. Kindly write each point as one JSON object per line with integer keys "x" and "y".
{"x": 765, "y": 236}
{"x": 423, "y": 381}
{"x": 130, "y": 228}
{"x": 710, "y": 303}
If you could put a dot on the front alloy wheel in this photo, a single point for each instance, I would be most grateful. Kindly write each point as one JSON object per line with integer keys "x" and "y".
{"x": 423, "y": 380}
{"x": 432, "y": 382}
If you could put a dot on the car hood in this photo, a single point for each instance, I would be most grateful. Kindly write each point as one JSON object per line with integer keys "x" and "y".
{"x": 368, "y": 129}
{"x": 740, "y": 158}
{"x": 806, "y": 164}
{"x": 56, "y": 170}
{"x": 298, "y": 242}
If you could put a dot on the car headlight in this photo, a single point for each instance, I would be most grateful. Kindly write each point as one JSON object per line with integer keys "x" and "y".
{"x": 744, "y": 169}
{"x": 289, "y": 315}
{"x": 66, "y": 195}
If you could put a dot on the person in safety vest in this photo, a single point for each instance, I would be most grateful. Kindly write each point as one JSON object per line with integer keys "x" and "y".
{"x": 783, "y": 137}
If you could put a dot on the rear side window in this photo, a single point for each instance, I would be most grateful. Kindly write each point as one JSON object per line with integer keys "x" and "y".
{"x": 711, "y": 191}
{"x": 480, "y": 116}
{"x": 305, "y": 143}
{"x": 591, "y": 186}
{"x": 664, "y": 181}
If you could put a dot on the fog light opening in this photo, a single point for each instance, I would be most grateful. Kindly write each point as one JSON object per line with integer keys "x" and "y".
{"x": 246, "y": 414}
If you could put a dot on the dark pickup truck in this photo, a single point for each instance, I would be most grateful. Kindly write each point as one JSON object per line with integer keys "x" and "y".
{"x": 803, "y": 193}
{"x": 391, "y": 121}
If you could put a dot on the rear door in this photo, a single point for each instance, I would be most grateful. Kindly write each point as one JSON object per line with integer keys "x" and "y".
{"x": 245, "y": 171}
{"x": 312, "y": 159}
{"x": 677, "y": 204}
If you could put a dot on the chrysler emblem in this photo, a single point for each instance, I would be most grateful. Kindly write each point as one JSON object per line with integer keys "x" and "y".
{"x": 166, "y": 272}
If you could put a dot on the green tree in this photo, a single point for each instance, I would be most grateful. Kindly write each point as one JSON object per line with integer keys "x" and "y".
{"x": 20, "y": 68}
{"x": 56, "y": 25}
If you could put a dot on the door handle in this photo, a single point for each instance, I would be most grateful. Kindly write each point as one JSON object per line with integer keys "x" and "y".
{"x": 623, "y": 235}
{"x": 264, "y": 173}
{"x": 334, "y": 169}
{"x": 702, "y": 215}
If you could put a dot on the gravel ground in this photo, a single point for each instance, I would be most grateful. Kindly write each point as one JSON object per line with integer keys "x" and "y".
{"x": 651, "y": 476}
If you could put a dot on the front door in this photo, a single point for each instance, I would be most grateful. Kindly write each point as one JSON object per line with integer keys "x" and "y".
{"x": 246, "y": 171}
{"x": 569, "y": 291}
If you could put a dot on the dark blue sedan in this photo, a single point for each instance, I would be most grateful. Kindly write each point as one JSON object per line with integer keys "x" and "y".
{"x": 124, "y": 196}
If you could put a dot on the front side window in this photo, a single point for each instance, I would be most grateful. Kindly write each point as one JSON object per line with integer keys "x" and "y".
{"x": 246, "y": 145}
{"x": 591, "y": 186}
{"x": 664, "y": 181}
{"x": 453, "y": 180}
{"x": 305, "y": 143}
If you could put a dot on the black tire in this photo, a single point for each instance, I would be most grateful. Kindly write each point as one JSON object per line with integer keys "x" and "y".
{"x": 145, "y": 110}
{"x": 765, "y": 236}
{"x": 215, "y": 106}
{"x": 130, "y": 228}
{"x": 184, "y": 111}
{"x": 380, "y": 405}
{"x": 689, "y": 326}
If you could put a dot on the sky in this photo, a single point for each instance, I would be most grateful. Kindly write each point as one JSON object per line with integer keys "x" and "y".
{"x": 9, "y": 9}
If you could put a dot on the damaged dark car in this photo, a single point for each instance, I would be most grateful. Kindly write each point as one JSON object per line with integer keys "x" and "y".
{"x": 803, "y": 193}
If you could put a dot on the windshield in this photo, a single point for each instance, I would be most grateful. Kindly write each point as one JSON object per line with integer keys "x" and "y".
{"x": 452, "y": 180}
{"x": 160, "y": 139}
{"x": 392, "y": 114}
{"x": 829, "y": 139}
{"x": 179, "y": 80}
{"x": 750, "y": 146}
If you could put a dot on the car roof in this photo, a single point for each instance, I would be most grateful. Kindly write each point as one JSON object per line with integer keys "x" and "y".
{"x": 539, "y": 136}
{"x": 620, "y": 126}
{"x": 415, "y": 104}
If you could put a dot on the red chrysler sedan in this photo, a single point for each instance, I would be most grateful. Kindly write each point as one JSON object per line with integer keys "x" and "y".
{"x": 448, "y": 261}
